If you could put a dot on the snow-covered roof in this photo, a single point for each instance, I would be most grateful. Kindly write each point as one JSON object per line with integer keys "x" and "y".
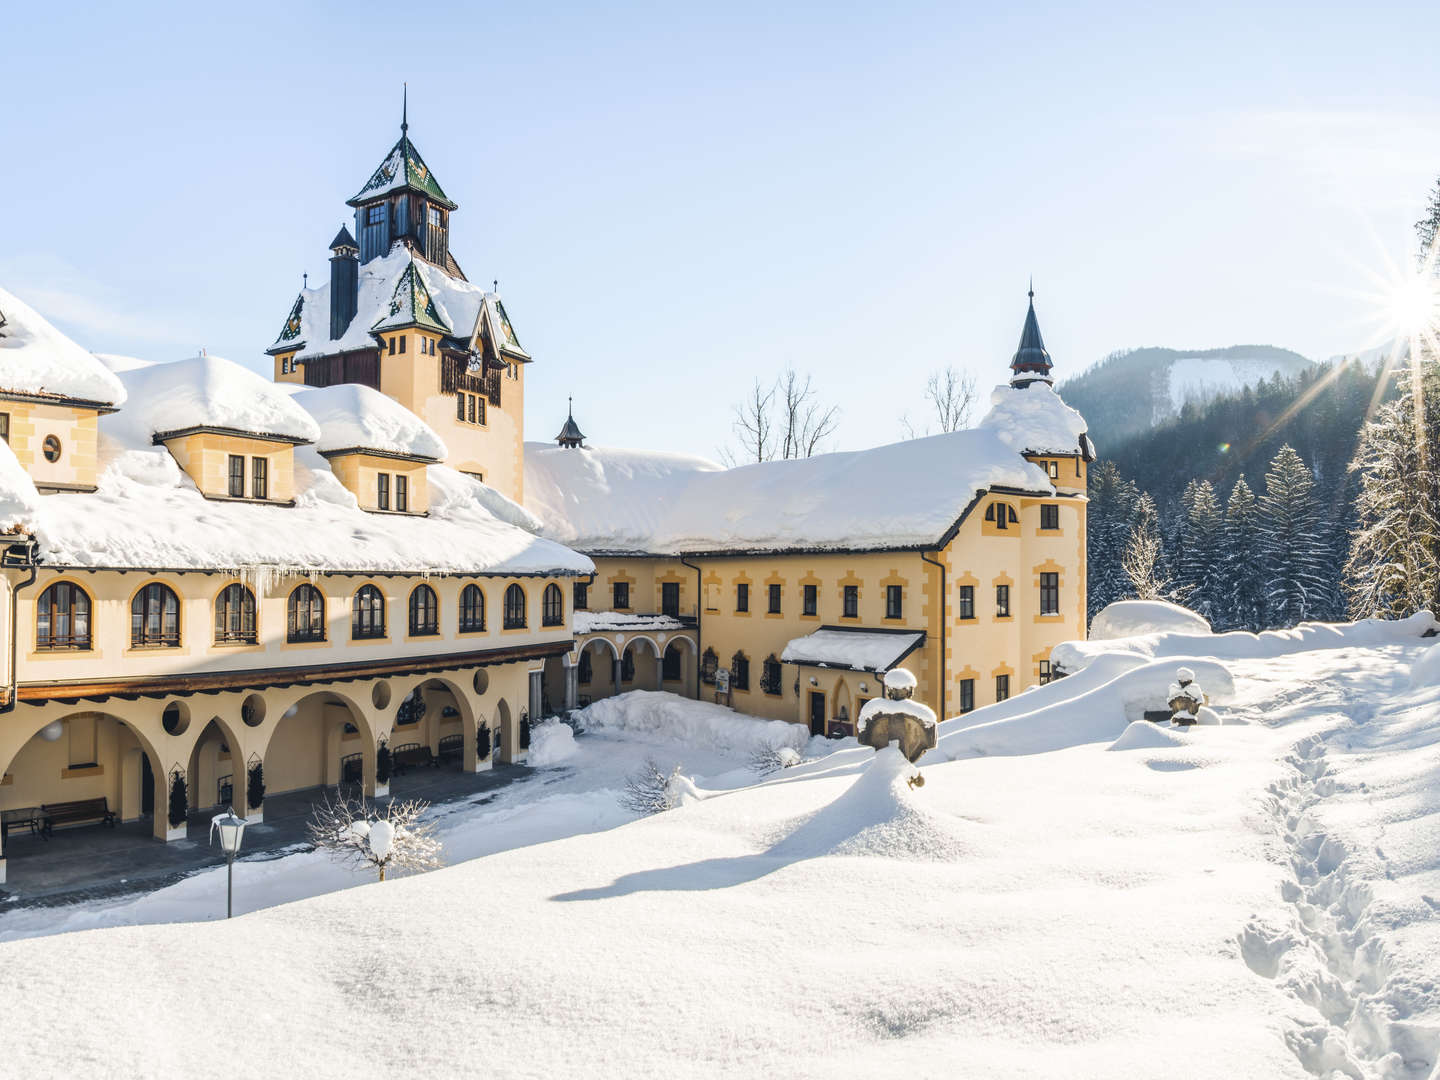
{"x": 351, "y": 417}
{"x": 18, "y": 498}
{"x": 146, "y": 513}
{"x": 403, "y": 167}
{"x": 201, "y": 392}
{"x": 608, "y": 501}
{"x": 388, "y": 291}
{"x": 36, "y": 359}
{"x": 858, "y": 650}
{"x": 591, "y": 622}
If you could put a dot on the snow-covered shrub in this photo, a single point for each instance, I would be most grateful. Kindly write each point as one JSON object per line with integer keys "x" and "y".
{"x": 650, "y": 791}
{"x": 1130, "y": 618}
{"x": 361, "y": 834}
{"x": 768, "y": 759}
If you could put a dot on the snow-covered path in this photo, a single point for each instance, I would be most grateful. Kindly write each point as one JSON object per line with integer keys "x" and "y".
{"x": 1256, "y": 899}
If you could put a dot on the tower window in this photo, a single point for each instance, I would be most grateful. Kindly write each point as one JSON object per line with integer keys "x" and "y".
{"x": 382, "y": 490}
{"x": 435, "y": 218}
{"x": 375, "y": 215}
{"x": 1050, "y": 594}
{"x": 402, "y": 493}
{"x": 392, "y": 346}
{"x": 1049, "y": 516}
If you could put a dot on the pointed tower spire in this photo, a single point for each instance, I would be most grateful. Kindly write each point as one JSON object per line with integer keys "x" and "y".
{"x": 570, "y": 435}
{"x": 404, "y": 108}
{"x": 1031, "y": 362}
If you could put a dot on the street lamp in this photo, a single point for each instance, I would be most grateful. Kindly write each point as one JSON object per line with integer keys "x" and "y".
{"x": 232, "y": 831}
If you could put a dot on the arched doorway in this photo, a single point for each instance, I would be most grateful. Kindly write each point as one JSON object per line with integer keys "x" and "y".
{"x": 216, "y": 775}
{"x": 323, "y": 740}
{"x": 596, "y": 671}
{"x": 640, "y": 665}
{"x": 507, "y": 734}
{"x": 556, "y": 692}
{"x": 434, "y": 722}
{"x": 677, "y": 668}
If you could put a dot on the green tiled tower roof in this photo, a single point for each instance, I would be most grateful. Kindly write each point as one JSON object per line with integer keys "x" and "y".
{"x": 404, "y": 168}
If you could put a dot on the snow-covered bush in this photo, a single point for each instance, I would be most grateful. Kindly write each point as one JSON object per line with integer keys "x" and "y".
{"x": 701, "y": 723}
{"x": 768, "y": 759}
{"x": 361, "y": 834}
{"x": 1129, "y": 618}
{"x": 650, "y": 791}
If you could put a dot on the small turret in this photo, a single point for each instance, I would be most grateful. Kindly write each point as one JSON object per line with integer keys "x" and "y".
{"x": 1031, "y": 362}
{"x": 344, "y": 282}
{"x": 570, "y": 435}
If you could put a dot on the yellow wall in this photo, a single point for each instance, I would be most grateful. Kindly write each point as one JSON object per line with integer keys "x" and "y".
{"x": 495, "y": 449}
{"x": 287, "y": 370}
{"x": 359, "y": 472}
{"x": 205, "y": 457}
{"x": 75, "y": 427}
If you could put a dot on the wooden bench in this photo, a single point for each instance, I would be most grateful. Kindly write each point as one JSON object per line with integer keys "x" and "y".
{"x": 411, "y": 754}
{"x": 79, "y": 812}
{"x": 26, "y": 817}
{"x": 452, "y": 748}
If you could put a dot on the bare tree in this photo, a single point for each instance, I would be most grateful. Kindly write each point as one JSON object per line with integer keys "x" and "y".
{"x": 951, "y": 395}
{"x": 805, "y": 422}
{"x": 650, "y": 791}
{"x": 360, "y": 834}
{"x": 1143, "y": 561}
{"x": 784, "y": 420}
{"x": 754, "y": 428}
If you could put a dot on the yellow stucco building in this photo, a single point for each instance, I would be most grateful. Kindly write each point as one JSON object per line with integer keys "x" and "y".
{"x": 234, "y": 587}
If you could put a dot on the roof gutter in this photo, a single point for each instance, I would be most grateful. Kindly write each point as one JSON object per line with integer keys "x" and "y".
{"x": 932, "y": 562}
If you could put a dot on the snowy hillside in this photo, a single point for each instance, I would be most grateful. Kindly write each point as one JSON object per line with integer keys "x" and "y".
{"x": 1132, "y": 390}
{"x": 1070, "y": 894}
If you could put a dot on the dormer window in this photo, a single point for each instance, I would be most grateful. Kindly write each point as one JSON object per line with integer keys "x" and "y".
{"x": 260, "y": 477}
{"x": 382, "y": 491}
{"x": 402, "y": 493}
{"x": 436, "y": 218}
{"x": 237, "y": 476}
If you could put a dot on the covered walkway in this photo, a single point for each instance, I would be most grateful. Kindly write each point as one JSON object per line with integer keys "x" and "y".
{"x": 98, "y": 863}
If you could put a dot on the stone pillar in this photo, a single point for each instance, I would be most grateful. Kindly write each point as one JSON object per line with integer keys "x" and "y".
{"x": 572, "y": 686}
{"x": 615, "y": 674}
{"x": 659, "y": 671}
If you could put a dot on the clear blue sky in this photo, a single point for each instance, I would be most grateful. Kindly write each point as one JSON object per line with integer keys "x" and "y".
{"x": 676, "y": 199}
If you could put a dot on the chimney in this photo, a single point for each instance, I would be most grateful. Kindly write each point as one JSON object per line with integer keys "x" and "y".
{"x": 344, "y": 282}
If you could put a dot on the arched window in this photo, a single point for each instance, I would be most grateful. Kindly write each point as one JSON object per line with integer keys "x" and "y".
{"x": 367, "y": 613}
{"x": 62, "y": 617}
{"x": 472, "y": 609}
{"x": 514, "y": 608}
{"x": 306, "y": 614}
{"x": 155, "y": 618}
{"x": 770, "y": 675}
{"x": 235, "y": 616}
{"x": 708, "y": 663}
{"x": 587, "y": 670}
{"x": 740, "y": 671}
{"x": 552, "y": 607}
{"x": 670, "y": 667}
{"x": 424, "y": 611}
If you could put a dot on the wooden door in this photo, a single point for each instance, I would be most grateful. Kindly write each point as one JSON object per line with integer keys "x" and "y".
{"x": 817, "y": 713}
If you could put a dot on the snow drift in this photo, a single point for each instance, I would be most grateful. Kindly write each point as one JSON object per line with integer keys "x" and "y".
{"x": 652, "y": 712}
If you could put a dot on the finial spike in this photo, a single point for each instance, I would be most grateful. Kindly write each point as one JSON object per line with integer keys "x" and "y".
{"x": 1032, "y": 286}
{"x": 305, "y": 280}
{"x": 404, "y": 107}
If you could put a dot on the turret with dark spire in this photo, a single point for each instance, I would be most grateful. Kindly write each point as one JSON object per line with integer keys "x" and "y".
{"x": 1031, "y": 363}
{"x": 570, "y": 435}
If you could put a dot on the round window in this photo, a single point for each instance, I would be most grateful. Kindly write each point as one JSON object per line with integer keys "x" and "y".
{"x": 51, "y": 448}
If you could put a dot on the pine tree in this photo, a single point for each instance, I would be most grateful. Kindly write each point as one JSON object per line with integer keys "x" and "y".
{"x": 1241, "y": 581}
{"x": 1428, "y": 226}
{"x": 1294, "y": 539}
{"x": 1109, "y": 516}
{"x": 1198, "y": 561}
{"x": 1394, "y": 564}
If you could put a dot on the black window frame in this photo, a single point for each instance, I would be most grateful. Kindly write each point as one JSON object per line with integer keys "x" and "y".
{"x": 850, "y": 602}
{"x": 742, "y": 596}
{"x": 1049, "y": 593}
{"x": 424, "y": 607}
{"x": 1002, "y": 601}
{"x": 1045, "y": 672}
{"x": 552, "y": 606}
{"x": 894, "y": 601}
{"x": 770, "y": 676}
{"x": 776, "y": 594}
{"x": 237, "y": 477}
{"x": 155, "y": 617}
{"x": 740, "y": 672}
{"x": 304, "y": 615}
{"x": 967, "y": 695}
{"x": 260, "y": 477}
{"x": 1002, "y": 688}
{"x": 515, "y": 607}
{"x": 367, "y": 614}
{"x": 382, "y": 491}
{"x": 1049, "y": 516}
{"x": 580, "y": 596}
{"x": 235, "y": 615}
{"x": 4, "y": 427}
{"x": 472, "y": 610}
{"x": 402, "y": 493}
{"x": 670, "y": 599}
{"x": 68, "y": 603}
{"x": 965, "y": 605}
{"x": 620, "y": 595}
{"x": 810, "y": 600}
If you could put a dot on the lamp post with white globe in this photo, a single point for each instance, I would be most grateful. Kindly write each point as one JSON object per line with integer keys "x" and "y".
{"x": 232, "y": 830}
